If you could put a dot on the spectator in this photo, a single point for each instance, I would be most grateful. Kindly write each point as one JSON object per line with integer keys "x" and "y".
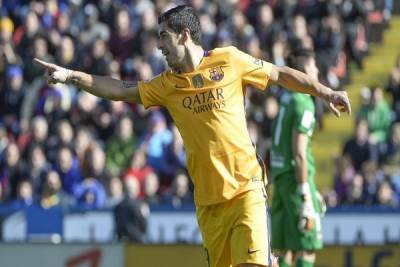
{"x": 115, "y": 192}
{"x": 38, "y": 135}
{"x": 67, "y": 166}
{"x": 139, "y": 167}
{"x": 8, "y": 55}
{"x": 99, "y": 59}
{"x": 356, "y": 193}
{"x": 94, "y": 163}
{"x": 38, "y": 168}
{"x": 267, "y": 27}
{"x": 52, "y": 193}
{"x": 343, "y": 178}
{"x": 25, "y": 34}
{"x": 373, "y": 176}
{"x": 278, "y": 52}
{"x": 353, "y": 13}
{"x": 12, "y": 170}
{"x": 393, "y": 87}
{"x": 391, "y": 155}
{"x": 63, "y": 24}
{"x": 156, "y": 139}
{"x": 174, "y": 158}
{"x": 378, "y": 116}
{"x": 11, "y": 98}
{"x": 65, "y": 54}
{"x": 123, "y": 43}
{"x": 83, "y": 138}
{"x": 180, "y": 193}
{"x": 130, "y": 215}
{"x": 3, "y": 140}
{"x": 329, "y": 42}
{"x": 64, "y": 134}
{"x": 85, "y": 110}
{"x": 151, "y": 189}
{"x": 120, "y": 148}
{"x": 299, "y": 37}
{"x": 24, "y": 197}
{"x": 39, "y": 49}
{"x": 208, "y": 30}
{"x": 261, "y": 123}
{"x": 385, "y": 195}
{"x": 359, "y": 148}
{"x": 90, "y": 194}
{"x": 94, "y": 28}
{"x": 151, "y": 53}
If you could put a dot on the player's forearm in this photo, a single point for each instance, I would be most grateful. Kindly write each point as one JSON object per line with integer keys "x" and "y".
{"x": 300, "y": 82}
{"x": 101, "y": 86}
{"x": 299, "y": 148}
{"x": 301, "y": 169}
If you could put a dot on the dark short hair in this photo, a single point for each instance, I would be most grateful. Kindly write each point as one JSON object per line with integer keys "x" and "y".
{"x": 298, "y": 58}
{"x": 181, "y": 17}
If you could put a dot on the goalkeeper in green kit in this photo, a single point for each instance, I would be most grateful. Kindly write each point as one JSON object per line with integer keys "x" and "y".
{"x": 296, "y": 208}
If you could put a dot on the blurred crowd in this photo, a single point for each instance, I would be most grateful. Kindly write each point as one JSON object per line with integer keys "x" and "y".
{"x": 368, "y": 171}
{"x": 62, "y": 146}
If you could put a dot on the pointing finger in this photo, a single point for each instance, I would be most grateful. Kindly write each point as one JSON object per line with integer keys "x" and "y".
{"x": 44, "y": 64}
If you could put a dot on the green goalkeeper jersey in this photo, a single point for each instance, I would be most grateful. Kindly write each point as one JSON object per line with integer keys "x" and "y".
{"x": 297, "y": 112}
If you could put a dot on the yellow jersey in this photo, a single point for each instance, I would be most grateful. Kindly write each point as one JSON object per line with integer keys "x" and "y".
{"x": 207, "y": 106}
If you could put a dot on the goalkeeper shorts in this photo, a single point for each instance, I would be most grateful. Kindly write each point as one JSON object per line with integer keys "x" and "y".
{"x": 286, "y": 202}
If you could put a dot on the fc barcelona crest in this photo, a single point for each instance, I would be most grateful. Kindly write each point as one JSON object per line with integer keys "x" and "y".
{"x": 216, "y": 74}
{"x": 198, "y": 81}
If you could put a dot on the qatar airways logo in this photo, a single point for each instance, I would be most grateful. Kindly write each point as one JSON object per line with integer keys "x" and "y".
{"x": 205, "y": 101}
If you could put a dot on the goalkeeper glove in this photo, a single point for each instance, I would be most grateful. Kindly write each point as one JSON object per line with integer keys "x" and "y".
{"x": 307, "y": 213}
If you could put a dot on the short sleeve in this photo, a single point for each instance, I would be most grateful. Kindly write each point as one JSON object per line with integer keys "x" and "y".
{"x": 152, "y": 92}
{"x": 254, "y": 71}
{"x": 304, "y": 116}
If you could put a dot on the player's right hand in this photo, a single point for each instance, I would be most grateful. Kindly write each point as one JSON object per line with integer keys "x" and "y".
{"x": 307, "y": 214}
{"x": 339, "y": 102}
{"x": 54, "y": 73}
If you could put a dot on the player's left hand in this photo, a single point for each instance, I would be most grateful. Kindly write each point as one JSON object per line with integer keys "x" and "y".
{"x": 339, "y": 102}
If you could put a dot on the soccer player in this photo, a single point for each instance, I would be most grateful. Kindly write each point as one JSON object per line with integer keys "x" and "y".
{"x": 295, "y": 212}
{"x": 204, "y": 93}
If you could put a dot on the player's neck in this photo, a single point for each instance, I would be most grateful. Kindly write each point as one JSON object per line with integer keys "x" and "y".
{"x": 194, "y": 55}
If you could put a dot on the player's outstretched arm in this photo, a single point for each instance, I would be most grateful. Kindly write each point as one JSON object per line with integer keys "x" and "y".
{"x": 102, "y": 86}
{"x": 295, "y": 80}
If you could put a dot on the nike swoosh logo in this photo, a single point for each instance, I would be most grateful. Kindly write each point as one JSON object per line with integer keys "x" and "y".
{"x": 251, "y": 251}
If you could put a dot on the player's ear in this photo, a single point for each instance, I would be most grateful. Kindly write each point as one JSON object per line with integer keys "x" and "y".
{"x": 186, "y": 34}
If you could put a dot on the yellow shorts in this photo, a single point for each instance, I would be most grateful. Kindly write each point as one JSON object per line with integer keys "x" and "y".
{"x": 236, "y": 231}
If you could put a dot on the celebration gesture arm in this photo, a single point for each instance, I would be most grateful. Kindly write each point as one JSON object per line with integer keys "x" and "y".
{"x": 101, "y": 86}
{"x": 298, "y": 81}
